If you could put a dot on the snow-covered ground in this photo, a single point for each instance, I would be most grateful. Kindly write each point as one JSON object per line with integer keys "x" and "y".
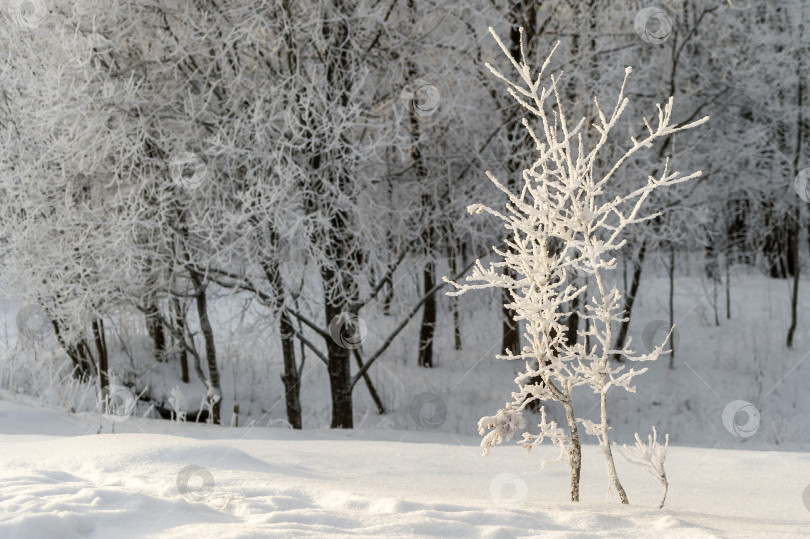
{"x": 58, "y": 478}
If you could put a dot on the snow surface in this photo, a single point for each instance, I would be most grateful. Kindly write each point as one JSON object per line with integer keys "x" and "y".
{"x": 67, "y": 476}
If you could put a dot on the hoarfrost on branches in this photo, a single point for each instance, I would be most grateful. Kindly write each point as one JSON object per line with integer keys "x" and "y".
{"x": 503, "y": 425}
{"x": 651, "y": 456}
{"x": 553, "y": 433}
{"x": 564, "y": 223}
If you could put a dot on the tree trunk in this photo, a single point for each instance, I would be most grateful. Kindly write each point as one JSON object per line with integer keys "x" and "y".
{"x": 796, "y": 225}
{"x": 457, "y": 342}
{"x": 608, "y": 453}
{"x": 388, "y": 298}
{"x": 337, "y": 288}
{"x": 180, "y": 323}
{"x": 510, "y": 336}
{"x": 631, "y": 297}
{"x": 572, "y": 322}
{"x": 428, "y": 325}
{"x": 453, "y": 261}
{"x": 728, "y": 290}
{"x": 794, "y": 298}
{"x": 426, "y": 329}
{"x": 575, "y": 454}
{"x": 290, "y": 377}
{"x": 214, "y": 392}
{"x": 712, "y": 267}
{"x": 339, "y": 369}
{"x": 101, "y": 349}
{"x": 155, "y": 330}
{"x": 83, "y": 367}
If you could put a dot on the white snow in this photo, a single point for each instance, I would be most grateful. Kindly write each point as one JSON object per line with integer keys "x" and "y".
{"x": 59, "y": 478}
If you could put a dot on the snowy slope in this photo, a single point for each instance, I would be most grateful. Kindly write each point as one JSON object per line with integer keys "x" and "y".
{"x": 259, "y": 482}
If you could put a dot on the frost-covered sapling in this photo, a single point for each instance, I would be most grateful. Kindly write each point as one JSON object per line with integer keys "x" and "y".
{"x": 651, "y": 456}
{"x": 178, "y": 403}
{"x": 560, "y": 223}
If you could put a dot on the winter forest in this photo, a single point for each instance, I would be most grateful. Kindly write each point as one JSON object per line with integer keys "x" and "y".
{"x": 404, "y": 268}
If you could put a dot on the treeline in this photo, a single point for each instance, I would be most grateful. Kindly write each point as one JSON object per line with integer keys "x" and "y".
{"x": 157, "y": 153}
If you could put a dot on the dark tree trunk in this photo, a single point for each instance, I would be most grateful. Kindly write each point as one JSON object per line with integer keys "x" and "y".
{"x": 338, "y": 287}
{"x": 290, "y": 377}
{"x": 101, "y": 350}
{"x": 179, "y": 320}
{"x": 85, "y": 353}
{"x": 214, "y": 390}
{"x": 510, "y": 335}
{"x": 457, "y": 342}
{"x": 339, "y": 369}
{"x": 638, "y": 264}
{"x": 83, "y": 366}
{"x": 728, "y": 290}
{"x": 155, "y": 330}
{"x": 427, "y": 327}
{"x": 452, "y": 257}
{"x": 572, "y": 322}
{"x": 338, "y": 238}
{"x": 388, "y": 298}
{"x": 79, "y": 369}
{"x": 797, "y": 219}
{"x": 794, "y": 297}
{"x": 735, "y": 242}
